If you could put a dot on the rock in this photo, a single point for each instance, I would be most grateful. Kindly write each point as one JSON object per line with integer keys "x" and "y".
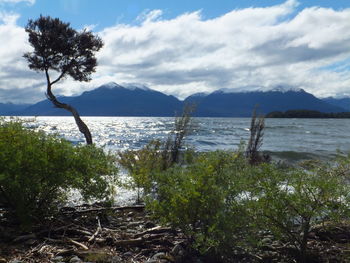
{"x": 98, "y": 256}
{"x": 157, "y": 261}
{"x": 16, "y": 261}
{"x": 116, "y": 259}
{"x": 266, "y": 240}
{"x": 75, "y": 259}
{"x": 2, "y": 260}
{"x": 312, "y": 235}
{"x": 177, "y": 250}
{"x": 159, "y": 255}
{"x": 57, "y": 259}
{"x": 128, "y": 254}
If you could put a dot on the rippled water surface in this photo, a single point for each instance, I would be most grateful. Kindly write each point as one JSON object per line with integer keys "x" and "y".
{"x": 283, "y": 137}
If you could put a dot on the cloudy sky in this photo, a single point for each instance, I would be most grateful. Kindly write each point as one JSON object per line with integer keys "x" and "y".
{"x": 183, "y": 47}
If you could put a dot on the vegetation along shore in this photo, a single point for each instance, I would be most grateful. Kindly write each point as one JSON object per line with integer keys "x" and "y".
{"x": 218, "y": 206}
{"x": 222, "y": 206}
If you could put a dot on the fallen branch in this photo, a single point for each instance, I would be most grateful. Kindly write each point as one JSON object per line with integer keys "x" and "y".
{"x": 99, "y": 209}
{"x": 78, "y": 244}
{"x": 97, "y": 230}
{"x": 156, "y": 230}
{"x": 65, "y": 241}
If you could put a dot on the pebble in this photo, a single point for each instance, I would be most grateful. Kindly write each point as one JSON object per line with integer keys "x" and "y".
{"x": 75, "y": 259}
{"x": 266, "y": 240}
{"x": 158, "y": 255}
{"x": 57, "y": 259}
{"x": 157, "y": 261}
{"x": 128, "y": 254}
{"x": 16, "y": 261}
{"x": 116, "y": 259}
{"x": 177, "y": 250}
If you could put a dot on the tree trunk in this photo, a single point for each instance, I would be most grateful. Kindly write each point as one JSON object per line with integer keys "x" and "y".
{"x": 83, "y": 128}
{"x": 303, "y": 246}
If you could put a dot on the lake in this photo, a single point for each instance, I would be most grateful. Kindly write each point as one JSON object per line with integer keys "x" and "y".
{"x": 291, "y": 139}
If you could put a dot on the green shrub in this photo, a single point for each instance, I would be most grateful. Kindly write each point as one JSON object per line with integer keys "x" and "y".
{"x": 203, "y": 200}
{"x": 224, "y": 205}
{"x": 37, "y": 170}
{"x": 289, "y": 202}
{"x": 141, "y": 165}
{"x": 157, "y": 156}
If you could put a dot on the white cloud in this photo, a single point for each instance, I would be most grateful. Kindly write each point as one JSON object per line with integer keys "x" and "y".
{"x": 8, "y": 18}
{"x": 247, "y": 47}
{"x": 30, "y": 2}
{"x": 150, "y": 16}
{"x": 17, "y": 83}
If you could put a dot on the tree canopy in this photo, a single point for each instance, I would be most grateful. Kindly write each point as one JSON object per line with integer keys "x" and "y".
{"x": 61, "y": 48}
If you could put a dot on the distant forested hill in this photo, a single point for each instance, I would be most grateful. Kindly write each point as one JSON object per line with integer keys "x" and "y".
{"x": 307, "y": 114}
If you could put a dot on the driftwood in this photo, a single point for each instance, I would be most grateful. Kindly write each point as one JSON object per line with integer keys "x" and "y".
{"x": 100, "y": 209}
{"x": 97, "y": 230}
{"x": 80, "y": 233}
{"x": 155, "y": 230}
{"x": 81, "y": 245}
{"x": 64, "y": 241}
{"x": 83, "y": 228}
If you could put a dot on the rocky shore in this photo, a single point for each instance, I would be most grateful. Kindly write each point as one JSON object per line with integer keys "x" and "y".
{"x": 129, "y": 234}
{"x": 94, "y": 234}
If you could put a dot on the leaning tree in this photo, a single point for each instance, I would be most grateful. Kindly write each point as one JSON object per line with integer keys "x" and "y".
{"x": 61, "y": 50}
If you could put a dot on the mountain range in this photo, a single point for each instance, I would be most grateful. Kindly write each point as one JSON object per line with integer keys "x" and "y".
{"x": 9, "y": 108}
{"x": 138, "y": 100}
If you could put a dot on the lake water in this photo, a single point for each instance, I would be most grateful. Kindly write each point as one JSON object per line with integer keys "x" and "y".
{"x": 285, "y": 139}
{"x": 291, "y": 139}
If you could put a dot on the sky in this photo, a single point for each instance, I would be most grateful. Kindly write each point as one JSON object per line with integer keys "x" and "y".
{"x": 188, "y": 46}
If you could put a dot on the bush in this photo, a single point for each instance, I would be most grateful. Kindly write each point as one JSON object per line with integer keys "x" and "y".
{"x": 203, "y": 200}
{"x": 157, "y": 156}
{"x": 224, "y": 205}
{"x": 37, "y": 170}
{"x": 141, "y": 165}
{"x": 290, "y": 202}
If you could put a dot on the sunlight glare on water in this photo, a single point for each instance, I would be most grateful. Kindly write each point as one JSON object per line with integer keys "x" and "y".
{"x": 320, "y": 137}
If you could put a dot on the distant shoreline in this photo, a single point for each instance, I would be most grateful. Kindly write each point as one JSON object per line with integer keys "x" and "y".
{"x": 271, "y": 115}
{"x": 308, "y": 114}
